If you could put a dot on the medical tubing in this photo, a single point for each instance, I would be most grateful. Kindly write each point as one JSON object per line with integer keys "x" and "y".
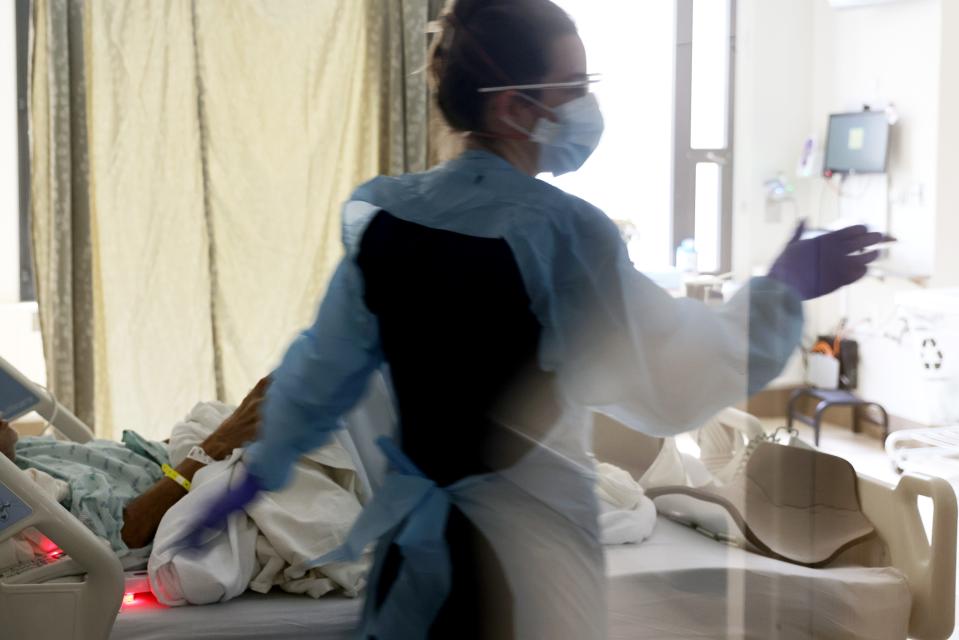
{"x": 56, "y": 408}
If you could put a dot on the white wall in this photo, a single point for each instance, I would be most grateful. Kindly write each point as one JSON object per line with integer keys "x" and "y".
{"x": 773, "y": 112}
{"x": 799, "y": 61}
{"x": 878, "y": 55}
{"x": 9, "y": 193}
{"x": 20, "y": 342}
{"x": 947, "y": 222}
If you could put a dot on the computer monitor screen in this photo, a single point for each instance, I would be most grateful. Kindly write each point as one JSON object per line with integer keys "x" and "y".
{"x": 17, "y": 395}
{"x": 857, "y": 143}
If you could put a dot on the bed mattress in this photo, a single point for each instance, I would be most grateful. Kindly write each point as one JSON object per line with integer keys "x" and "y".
{"x": 252, "y": 616}
{"x": 677, "y": 584}
{"x": 681, "y": 584}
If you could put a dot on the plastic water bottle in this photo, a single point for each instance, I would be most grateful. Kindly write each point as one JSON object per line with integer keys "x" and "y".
{"x": 686, "y": 257}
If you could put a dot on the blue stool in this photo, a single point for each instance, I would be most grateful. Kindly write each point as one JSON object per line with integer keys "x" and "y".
{"x": 829, "y": 398}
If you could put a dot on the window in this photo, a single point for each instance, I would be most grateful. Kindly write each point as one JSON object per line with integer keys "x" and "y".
{"x": 664, "y": 167}
{"x": 22, "y": 19}
{"x": 703, "y": 162}
{"x": 16, "y": 277}
{"x": 20, "y": 341}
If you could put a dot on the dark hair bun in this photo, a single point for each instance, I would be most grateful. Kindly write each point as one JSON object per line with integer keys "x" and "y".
{"x": 487, "y": 43}
{"x": 466, "y": 9}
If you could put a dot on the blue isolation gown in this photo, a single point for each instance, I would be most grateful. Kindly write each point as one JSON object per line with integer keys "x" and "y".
{"x": 601, "y": 337}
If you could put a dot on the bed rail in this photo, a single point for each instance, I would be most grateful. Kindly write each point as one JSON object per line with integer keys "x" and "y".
{"x": 56, "y": 611}
{"x": 62, "y": 419}
{"x": 929, "y": 565}
{"x": 24, "y": 394}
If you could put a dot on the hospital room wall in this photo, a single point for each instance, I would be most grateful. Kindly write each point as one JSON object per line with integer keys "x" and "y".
{"x": 947, "y": 223}
{"x": 773, "y": 81}
{"x": 773, "y": 73}
{"x": 798, "y": 61}
{"x": 876, "y": 55}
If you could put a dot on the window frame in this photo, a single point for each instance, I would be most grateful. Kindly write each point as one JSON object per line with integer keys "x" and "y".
{"x": 685, "y": 158}
{"x": 22, "y": 22}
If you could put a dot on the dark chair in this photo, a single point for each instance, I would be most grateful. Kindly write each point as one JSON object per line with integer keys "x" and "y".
{"x": 829, "y": 398}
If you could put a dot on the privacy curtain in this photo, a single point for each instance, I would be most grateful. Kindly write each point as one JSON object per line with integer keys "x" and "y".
{"x": 60, "y": 201}
{"x": 224, "y": 136}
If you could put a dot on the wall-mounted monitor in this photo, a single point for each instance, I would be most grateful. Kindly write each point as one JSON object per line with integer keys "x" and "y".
{"x": 857, "y": 143}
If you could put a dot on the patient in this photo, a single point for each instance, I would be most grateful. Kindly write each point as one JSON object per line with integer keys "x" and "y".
{"x": 142, "y": 515}
{"x": 118, "y": 491}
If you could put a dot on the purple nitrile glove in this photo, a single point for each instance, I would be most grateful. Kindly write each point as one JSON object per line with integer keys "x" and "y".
{"x": 231, "y": 501}
{"x": 821, "y": 265}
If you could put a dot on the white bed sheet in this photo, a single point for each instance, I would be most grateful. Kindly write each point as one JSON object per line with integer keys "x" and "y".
{"x": 677, "y": 584}
{"x": 681, "y": 584}
{"x": 252, "y": 616}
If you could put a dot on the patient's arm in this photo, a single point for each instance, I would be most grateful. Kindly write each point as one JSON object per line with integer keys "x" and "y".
{"x": 142, "y": 516}
{"x": 240, "y": 428}
{"x": 8, "y": 440}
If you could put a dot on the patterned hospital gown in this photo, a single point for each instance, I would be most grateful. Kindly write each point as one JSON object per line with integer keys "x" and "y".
{"x": 103, "y": 476}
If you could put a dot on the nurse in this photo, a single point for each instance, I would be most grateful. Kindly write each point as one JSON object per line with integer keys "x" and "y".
{"x": 507, "y": 311}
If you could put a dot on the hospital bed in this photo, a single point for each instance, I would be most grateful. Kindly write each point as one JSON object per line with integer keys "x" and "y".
{"x": 682, "y": 584}
{"x": 678, "y": 584}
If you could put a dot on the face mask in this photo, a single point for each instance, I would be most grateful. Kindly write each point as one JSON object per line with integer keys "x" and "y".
{"x": 566, "y": 144}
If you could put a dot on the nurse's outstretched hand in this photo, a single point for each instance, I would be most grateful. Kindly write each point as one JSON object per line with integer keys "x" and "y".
{"x": 215, "y": 519}
{"x": 818, "y": 266}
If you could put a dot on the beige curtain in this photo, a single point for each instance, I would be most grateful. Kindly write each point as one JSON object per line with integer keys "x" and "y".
{"x": 60, "y": 211}
{"x": 224, "y": 136}
{"x": 153, "y": 327}
{"x": 295, "y": 116}
{"x": 397, "y": 42}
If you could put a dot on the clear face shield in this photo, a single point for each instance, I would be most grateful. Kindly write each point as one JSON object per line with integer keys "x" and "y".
{"x": 583, "y": 84}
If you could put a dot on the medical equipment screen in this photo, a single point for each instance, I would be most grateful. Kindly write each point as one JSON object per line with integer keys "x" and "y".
{"x": 17, "y": 395}
{"x": 857, "y": 143}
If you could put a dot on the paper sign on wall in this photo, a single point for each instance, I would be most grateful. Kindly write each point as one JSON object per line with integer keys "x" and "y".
{"x": 857, "y": 138}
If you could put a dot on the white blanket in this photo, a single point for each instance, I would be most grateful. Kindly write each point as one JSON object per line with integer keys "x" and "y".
{"x": 626, "y": 514}
{"x": 310, "y": 517}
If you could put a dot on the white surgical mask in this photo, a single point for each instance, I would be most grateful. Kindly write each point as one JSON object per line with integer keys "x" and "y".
{"x": 566, "y": 144}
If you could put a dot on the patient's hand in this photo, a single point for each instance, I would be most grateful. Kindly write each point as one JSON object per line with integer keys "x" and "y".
{"x": 8, "y": 440}
{"x": 240, "y": 428}
{"x": 142, "y": 516}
